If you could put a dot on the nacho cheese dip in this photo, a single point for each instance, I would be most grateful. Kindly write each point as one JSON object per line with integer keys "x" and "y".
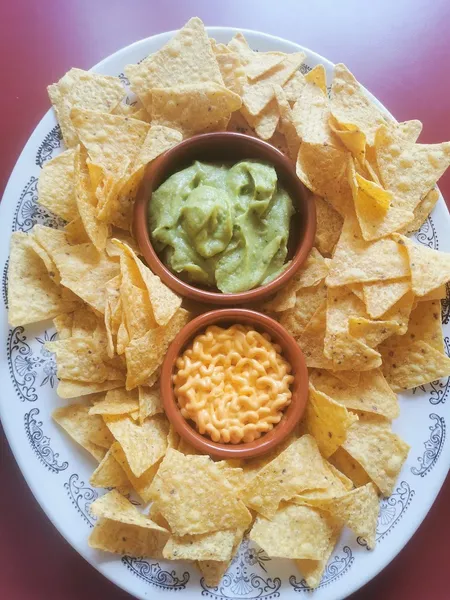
{"x": 222, "y": 225}
{"x": 233, "y": 383}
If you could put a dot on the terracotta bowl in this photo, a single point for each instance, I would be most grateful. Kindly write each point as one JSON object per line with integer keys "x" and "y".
{"x": 291, "y": 352}
{"x": 221, "y": 147}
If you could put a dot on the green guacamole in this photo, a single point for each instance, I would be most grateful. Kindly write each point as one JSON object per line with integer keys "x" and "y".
{"x": 222, "y": 225}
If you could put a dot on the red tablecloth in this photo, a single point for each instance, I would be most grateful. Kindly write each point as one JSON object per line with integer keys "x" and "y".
{"x": 400, "y": 49}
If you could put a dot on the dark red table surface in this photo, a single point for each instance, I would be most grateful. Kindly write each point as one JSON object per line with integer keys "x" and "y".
{"x": 400, "y": 49}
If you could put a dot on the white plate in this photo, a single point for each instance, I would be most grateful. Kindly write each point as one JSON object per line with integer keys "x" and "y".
{"x": 57, "y": 470}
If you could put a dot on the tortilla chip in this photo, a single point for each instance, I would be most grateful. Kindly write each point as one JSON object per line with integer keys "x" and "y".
{"x": 307, "y": 301}
{"x": 352, "y": 137}
{"x": 115, "y": 536}
{"x": 342, "y": 460}
{"x": 287, "y": 125}
{"x": 356, "y": 260}
{"x": 424, "y": 325}
{"x": 323, "y": 169}
{"x": 299, "y": 467}
{"x": 421, "y": 212}
{"x": 79, "y": 359}
{"x": 86, "y": 271}
{"x": 329, "y": 226}
{"x": 96, "y": 231}
{"x": 76, "y": 233}
{"x": 163, "y": 301}
{"x": 193, "y": 107}
{"x": 191, "y": 493}
{"x": 358, "y": 510}
{"x": 232, "y": 71}
{"x": 142, "y": 484}
{"x": 312, "y": 570}
{"x": 381, "y": 296}
{"x": 150, "y": 402}
{"x": 213, "y": 570}
{"x": 311, "y": 340}
{"x": 299, "y": 532}
{"x": 311, "y": 114}
{"x": 215, "y": 546}
{"x": 143, "y": 444}
{"x": 258, "y": 95}
{"x": 63, "y": 325}
{"x": 56, "y": 187}
{"x": 109, "y": 474}
{"x": 72, "y": 389}
{"x": 144, "y": 355}
{"x": 407, "y": 367}
{"x": 407, "y": 169}
{"x": 85, "y": 90}
{"x": 379, "y": 451}
{"x": 80, "y": 425}
{"x": 350, "y": 104}
{"x": 372, "y": 394}
{"x": 372, "y": 333}
{"x": 112, "y": 141}
{"x": 116, "y": 402}
{"x": 314, "y": 270}
{"x": 429, "y": 268}
{"x": 186, "y": 58}
{"x": 32, "y": 295}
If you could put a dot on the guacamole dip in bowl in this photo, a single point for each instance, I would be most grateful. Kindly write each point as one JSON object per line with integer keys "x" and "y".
{"x": 222, "y": 218}
{"x": 223, "y": 226}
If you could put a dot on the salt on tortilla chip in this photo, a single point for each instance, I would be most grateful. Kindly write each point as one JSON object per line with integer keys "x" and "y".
{"x": 56, "y": 186}
{"x": 298, "y": 532}
{"x": 358, "y": 510}
{"x": 379, "y": 451}
{"x": 299, "y": 467}
{"x": 86, "y": 201}
{"x": 327, "y": 421}
{"x": 307, "y": 300}
{"x": 381, "y": 296}
{"x": 85, "y": 90}
{"x": 328, "y": 226}
{"x": 144, "y": 355}
{"x": 371, "y": 332}
{"x": 109, "y": 474}
{"x": 32, "y": 294}
{"x": 191, "y": 493}
{"x": 356, "y": 260}
{"x": 80, "y": 425}
{"x": 429, "y": 268}
{"x": 186, "y": 58}
{"x": 143, "y": 444}
{"x": 372, "y": 394}
{"x": 79, "y": 359}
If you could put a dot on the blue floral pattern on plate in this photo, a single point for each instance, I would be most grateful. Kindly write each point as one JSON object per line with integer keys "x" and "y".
{"x": 41, "y": 443}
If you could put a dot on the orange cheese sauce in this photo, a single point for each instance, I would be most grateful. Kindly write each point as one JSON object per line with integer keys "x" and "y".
{"x": 233, "y": 383}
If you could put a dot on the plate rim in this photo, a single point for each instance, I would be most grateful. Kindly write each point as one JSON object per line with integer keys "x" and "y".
{"x": 392, "y": 550}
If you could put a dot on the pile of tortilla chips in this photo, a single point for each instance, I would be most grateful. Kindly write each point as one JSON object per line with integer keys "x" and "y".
{"x": 365, "y": 307}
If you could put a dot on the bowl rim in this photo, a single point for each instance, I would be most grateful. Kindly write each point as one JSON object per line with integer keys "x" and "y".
{"x": 292, "y": 414}
{"x": 281, "y": 162}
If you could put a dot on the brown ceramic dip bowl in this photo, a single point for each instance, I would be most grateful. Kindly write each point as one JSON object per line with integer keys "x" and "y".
{"x": 291, "y": 352}
{"x": 226, "y": 147}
